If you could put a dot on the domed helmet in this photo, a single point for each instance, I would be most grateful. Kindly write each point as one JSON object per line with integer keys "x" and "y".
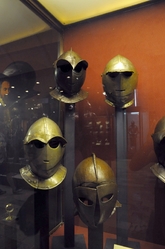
{"x": 159, "y": 141}
{"x": 94, "y": 191}
{"x": 119, "y": 80}
{"x": 70, "y": 72}
{"x": 22, "y": 79}
{"x": 44, "y": 147}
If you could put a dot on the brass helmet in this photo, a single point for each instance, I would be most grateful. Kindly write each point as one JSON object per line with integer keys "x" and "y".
{"x": 44, "y": 147}
{"x": 70, "y": 72}
{"x": 94, "y": 191}
{"x": 159, "y": 141}
{"x": 119, "y": 80}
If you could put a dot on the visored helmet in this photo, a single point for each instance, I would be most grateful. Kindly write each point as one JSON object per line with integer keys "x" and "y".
{"x": 44, "y": 147}
{"x": 119, "y": 80}
{"x": 70, "y": 73}
{"x": 159, "y": 141}
{"x": 94, "y": 191}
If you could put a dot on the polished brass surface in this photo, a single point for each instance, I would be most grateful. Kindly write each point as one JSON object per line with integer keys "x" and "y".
{"x": 40, "y": 183}
{"x": 43, "y": 129}
{"x": 44, "y": 147}
{"x": 119, "y": 80}
{"x": 81, "y": 95}
{"x": 9, "y": 209}
{"x": 72, "y": 57}
{"x": 159, "y": 171}
{"x": 94, "y": 191}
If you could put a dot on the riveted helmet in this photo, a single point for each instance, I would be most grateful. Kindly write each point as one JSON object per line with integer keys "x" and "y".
{"x": 44, "y": 147}
{"x": 94, "y": 191}
{"x": 70, "y": 73}
{"x": 119, "y": 80}
{"x": 159, "y": 141}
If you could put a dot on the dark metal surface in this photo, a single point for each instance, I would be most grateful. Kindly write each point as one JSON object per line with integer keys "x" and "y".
{"x": 58, "y": 242}
{"x": 69, "y": 163}
{"x": 121, "y": 173}
{"x": 43, "y": 242}
{"x": 95, "y": 237}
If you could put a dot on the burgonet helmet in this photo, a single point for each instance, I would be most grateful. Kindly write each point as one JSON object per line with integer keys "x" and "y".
{"x": 44, "y": 147}
{"x": 159, "y": 141}
{"x": 119, "y": 80}
{"x": 70, "y": 73}
{"x": 94, "y": 191}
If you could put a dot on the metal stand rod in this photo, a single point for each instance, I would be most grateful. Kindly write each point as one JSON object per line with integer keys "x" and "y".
{"x": 121, "y": 172}
{"x": 95, "y": 237}
{"x": 44, "y": 230}
{"x": 69, "y": 163}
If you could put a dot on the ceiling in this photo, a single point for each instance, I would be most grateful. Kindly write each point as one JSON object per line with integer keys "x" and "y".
{"x": 75, "y": 10}
{"x": 17, "y": 22}
{"x": 23, "y": 18}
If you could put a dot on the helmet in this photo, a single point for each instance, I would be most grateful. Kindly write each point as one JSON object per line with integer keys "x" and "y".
{"x": 119, "y": 80}
{"x": 159, "y": 141}
{"x": 22, "y": 79}
{"x": 44, "y": 147}
{"x": 70, "y": 72}
{"x": 94, "y": 190}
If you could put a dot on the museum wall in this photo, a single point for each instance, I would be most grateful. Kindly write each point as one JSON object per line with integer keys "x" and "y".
{"x": 139, "y": 36}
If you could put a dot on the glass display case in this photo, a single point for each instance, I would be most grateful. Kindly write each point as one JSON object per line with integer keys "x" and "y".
{"x": 119, "y": 136}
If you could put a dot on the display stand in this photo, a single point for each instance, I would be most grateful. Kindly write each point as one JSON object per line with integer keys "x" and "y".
{"x": 121, "y": 176}
{"x": 69, "y": 240}
{"x": 95, "y": 237}
{"x": 10, "y": 235}
{"x": 43, "y": 242}
{"x": 69, "y": 162}
{"x": 79, "y": 242}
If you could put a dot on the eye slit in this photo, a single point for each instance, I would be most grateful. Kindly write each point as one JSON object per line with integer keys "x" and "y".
{"x": 127, "y": 73}
{"x": 106, "y": 198}
{"x": 78, "y": 68}
{"x": 162, "y": 142}
{"x": 38, "y": 144}
{"x": 66, "y": 68}
{"x": 54, "y": 143}
{"x": 113, "y": 74}
{"x": 86, "y": 201}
